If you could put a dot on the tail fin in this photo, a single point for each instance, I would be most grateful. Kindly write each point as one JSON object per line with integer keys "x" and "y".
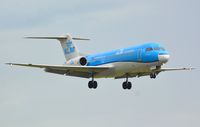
{"x": 69, "y": 48}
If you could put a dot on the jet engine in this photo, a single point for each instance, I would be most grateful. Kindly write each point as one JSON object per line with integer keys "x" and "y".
{"x": 81, "y": 60}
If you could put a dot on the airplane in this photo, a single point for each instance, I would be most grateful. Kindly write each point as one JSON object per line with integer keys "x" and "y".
{"x": 135, "y": 61}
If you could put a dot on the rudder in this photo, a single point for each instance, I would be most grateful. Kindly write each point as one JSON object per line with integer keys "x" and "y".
{"x": 69, "y": 48}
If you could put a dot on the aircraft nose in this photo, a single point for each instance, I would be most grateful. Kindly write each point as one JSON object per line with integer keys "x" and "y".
{"x": 163, "y": 58}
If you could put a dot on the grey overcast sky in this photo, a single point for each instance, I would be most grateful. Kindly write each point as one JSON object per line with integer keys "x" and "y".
{"x": 32, "y": 98}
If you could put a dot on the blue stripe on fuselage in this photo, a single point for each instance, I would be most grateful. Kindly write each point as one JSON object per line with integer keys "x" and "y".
{"x": 130, "y": 54}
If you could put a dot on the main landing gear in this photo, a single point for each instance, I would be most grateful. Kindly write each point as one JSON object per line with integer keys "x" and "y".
{"x": 92, "y": 84}
{"x": 127, "y": 84}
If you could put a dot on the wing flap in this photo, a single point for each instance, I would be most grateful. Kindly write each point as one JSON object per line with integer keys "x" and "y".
{"x": 69, "y": 73}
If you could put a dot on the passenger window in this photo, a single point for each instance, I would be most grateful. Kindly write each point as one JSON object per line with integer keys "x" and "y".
{"x": 159, "y": 48}
{"x": 149, "y": 49}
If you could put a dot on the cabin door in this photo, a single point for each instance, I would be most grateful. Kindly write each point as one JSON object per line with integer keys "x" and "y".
{"x": 139, "y": 55}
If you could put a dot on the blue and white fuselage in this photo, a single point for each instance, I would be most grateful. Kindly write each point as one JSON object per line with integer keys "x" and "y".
{"x": 146, "y": 53}
{"x": 133, "y": 60}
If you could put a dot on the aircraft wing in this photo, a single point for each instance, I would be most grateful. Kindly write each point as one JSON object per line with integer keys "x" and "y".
{"x": 78, "y": 71}
{"x": 172, "y": 69}
{"x": 155, "y": 71}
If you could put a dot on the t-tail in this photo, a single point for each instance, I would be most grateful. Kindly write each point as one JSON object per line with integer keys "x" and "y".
{"x": 69, "y": 48}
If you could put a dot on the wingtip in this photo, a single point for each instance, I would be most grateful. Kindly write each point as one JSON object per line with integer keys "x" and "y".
{"x": 27, "y": 37}
{"x": 191, "y": 68}
{"x": 78, "y": 38}
{"x": 9, "y": 64}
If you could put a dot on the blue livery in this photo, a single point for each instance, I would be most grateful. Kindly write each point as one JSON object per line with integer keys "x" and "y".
{"x": 145, "y": 53}
{"x": 70, "y": 48}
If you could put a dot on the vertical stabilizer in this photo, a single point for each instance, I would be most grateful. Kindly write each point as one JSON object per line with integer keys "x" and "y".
{"x": 69, "y": 48}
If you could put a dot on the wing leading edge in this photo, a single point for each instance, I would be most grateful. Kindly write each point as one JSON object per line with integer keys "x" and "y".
{"x": 78, "y": 71}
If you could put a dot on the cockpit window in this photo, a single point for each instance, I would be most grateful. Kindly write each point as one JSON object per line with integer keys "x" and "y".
{"x": 162, "y": 49}
{"x": 149, "y": 49}
{"x": 159, "y": 48}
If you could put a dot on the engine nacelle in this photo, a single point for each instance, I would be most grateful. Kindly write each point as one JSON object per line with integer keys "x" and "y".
{"x": 81, "y": 60}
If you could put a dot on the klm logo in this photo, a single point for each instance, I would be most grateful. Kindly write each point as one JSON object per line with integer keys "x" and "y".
{"x": 69, "y": 47}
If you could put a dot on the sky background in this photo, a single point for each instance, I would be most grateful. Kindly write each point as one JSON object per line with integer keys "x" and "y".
{"x": 32, "y": 98}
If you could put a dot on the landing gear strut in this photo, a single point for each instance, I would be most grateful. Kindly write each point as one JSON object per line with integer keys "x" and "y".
{"x": 92, "y": 84}
{"x": 127, "y": 84}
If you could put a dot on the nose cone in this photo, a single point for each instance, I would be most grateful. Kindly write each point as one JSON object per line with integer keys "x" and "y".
{"x": 163, "y": 58}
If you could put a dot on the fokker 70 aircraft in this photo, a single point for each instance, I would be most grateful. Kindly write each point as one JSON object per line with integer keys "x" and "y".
{"x": 136, "y": 61}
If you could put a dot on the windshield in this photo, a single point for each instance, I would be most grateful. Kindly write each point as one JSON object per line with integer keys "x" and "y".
{"x": 159, "y": 48}
{"x": 149, "y": 49}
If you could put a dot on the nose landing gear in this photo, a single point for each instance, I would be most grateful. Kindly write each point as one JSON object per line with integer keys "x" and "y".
{"x": 153, "y": 75}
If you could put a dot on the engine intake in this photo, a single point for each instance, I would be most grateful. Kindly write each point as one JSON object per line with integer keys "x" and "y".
{"x": 83, "y": 61}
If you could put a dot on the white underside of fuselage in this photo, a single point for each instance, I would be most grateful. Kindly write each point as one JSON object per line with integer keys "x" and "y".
{"x": 122, "y": 68}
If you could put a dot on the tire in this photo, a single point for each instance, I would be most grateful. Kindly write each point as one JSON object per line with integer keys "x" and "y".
{"x": 129, "y": 85}
{"x": 90, "y": 84}
{"x": 95, "y": 84}
{"x": 153, "y": 75}
{"x": 124, "y": 85}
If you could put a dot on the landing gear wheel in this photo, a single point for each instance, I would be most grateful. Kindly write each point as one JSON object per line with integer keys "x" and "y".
{"x": 90, "y": 84}
{"x": 124, "y": 85}
{"x": 127, "y": 85}
{"x": 95, "y": 84}
{"x": 153, "y": 75}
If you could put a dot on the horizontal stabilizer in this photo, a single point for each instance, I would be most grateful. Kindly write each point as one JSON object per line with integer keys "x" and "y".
{"x": 59, "y": 37}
